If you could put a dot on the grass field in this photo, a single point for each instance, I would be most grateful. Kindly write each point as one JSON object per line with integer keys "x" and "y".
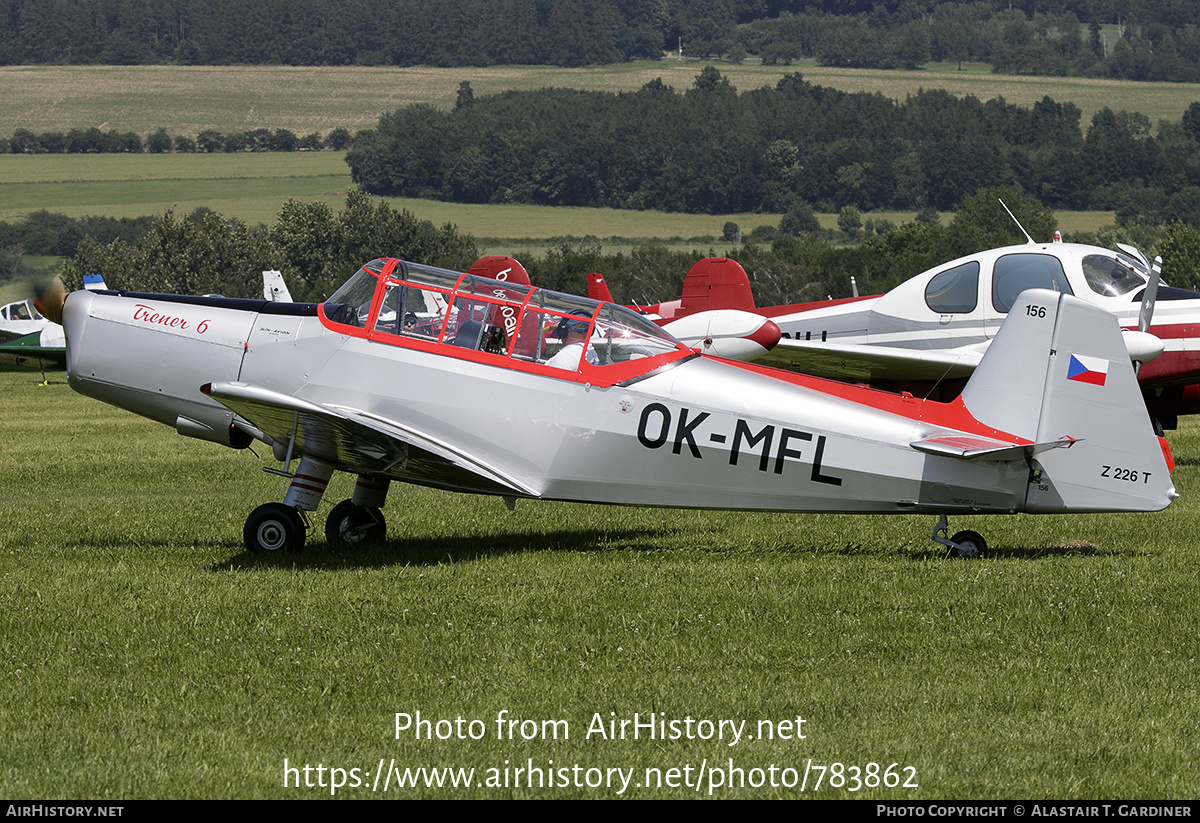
{"x": 189, "y": 99}
{"x": 146, "y": 654}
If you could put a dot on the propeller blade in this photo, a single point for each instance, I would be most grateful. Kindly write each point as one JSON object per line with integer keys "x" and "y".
{"x": 1147, "y": 311}
{"x": 50, "y": 298}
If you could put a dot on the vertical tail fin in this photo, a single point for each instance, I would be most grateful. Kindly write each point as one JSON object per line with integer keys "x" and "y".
{"x": 274, "y": 287}
{"x": 1058, "y": 370}
{"x": 500, "y": 267}
{"x": 717, "y": 283}
{"x": 598, "y": 289}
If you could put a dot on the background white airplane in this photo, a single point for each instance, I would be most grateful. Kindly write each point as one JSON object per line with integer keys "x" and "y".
{"x": 927, "y": 335}
{"x": 27, "y": 334}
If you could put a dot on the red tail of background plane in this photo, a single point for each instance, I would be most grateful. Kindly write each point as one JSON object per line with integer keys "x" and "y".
{"x": 716, "y": 283}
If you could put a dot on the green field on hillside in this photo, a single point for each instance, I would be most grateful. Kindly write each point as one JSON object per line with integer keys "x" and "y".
{"x": 189, "y": 99}
{"x": 252, "y": 187}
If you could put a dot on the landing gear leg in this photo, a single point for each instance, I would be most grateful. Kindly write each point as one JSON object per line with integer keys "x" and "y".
{"x": 276, "y": 526}
{"x": 964, "y": 544}
{"x": 359, "y": 519}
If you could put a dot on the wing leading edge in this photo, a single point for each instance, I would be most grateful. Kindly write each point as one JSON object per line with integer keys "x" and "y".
{"x": 360, "y": 442}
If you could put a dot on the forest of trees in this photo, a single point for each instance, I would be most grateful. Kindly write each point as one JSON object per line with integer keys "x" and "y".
{"x": 1156, "y": 40}
{"x": 712, "y": 150}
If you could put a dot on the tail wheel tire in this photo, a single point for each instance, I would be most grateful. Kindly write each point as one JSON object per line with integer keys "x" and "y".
{"x": 968, "y": 544}
{"x": 350, "y": 525}
{"x": 274, "y": 527}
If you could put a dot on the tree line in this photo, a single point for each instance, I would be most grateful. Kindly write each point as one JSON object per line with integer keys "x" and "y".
{"x": 1154, "y": 40}
{"x": 94, "y": 141}
{"x": 710, "y": 149}
{"x": 317, "y": 249}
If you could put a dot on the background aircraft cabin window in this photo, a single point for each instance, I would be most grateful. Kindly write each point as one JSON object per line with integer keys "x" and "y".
{"x": 954, "y": 291}
{"x": 1014, "y": 273}
{"x": 1110, "y": 276}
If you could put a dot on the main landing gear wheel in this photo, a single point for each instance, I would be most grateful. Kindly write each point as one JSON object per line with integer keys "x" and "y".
{"x": 273, "y": 527}
{"x": 350, "y": 525}
{"x": 968, "y": 544}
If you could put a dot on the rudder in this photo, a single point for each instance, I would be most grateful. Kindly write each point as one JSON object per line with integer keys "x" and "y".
{"x": 1058, "y": 370}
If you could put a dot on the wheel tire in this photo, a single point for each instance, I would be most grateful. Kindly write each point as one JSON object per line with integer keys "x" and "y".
{"x": 274, "y": 527}
{"x": 970, "y": 545}
{"x": 350, "y": 525}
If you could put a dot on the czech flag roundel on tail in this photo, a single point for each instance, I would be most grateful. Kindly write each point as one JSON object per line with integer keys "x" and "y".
{"x": 1084, "y": 369}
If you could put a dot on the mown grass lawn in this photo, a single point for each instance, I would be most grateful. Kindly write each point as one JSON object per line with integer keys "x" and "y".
{"x": 145, "y": 653}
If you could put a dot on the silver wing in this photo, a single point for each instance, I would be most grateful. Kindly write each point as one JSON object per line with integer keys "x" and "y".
{"x": 362, "y": 443}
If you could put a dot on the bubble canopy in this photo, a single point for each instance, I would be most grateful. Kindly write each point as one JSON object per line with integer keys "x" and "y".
{"x": 508, "y": 324}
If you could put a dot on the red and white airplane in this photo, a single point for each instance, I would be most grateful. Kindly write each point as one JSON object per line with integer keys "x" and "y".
{"x": 927, "y": 335}
{"x": 462, "y": 382}
{"x": 716, "y": 314}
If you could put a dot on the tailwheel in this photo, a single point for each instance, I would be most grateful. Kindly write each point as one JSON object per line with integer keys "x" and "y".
{"x": 350, "y": 524}
{"x": 273, "y": 527}
{"x": 968, "y": 544}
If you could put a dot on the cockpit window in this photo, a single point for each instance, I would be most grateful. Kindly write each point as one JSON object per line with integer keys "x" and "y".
{"x": 954, "y": 291}
{"x": 1014, "y": 273}
{"x": 1111, "y": 276}
{"x": 427, "y": 275}
{"x": 351, "y": 304}
{"x": 624, "y": 335}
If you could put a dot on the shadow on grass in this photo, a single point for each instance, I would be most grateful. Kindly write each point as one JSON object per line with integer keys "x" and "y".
{"x": 1069, "y": 548}
{"x": 436, "y": 551}
{"x": 419, "y": 551}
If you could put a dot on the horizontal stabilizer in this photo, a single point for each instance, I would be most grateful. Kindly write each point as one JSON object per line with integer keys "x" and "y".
{"x": 972, "y": 447}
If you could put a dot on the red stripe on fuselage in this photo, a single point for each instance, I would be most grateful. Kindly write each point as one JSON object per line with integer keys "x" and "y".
{"x": 952, "y": 415}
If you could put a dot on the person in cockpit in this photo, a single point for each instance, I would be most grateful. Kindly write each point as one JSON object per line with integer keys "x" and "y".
{"x": 573, "y": 332}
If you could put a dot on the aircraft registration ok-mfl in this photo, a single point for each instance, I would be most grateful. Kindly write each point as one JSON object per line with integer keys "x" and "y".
{"x": 456, "y": 381}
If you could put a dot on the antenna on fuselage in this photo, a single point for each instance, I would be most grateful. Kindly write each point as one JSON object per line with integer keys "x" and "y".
{"x": 1018, "y": 222}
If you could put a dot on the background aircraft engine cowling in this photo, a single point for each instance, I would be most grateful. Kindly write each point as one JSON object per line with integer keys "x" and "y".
{"x": 1143, "y": 347}
{"x": 728, "y": 333}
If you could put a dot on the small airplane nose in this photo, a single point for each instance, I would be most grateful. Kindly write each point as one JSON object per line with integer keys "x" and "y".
{"x": 767, "y": 335}
{"x": 1142, "y": 346}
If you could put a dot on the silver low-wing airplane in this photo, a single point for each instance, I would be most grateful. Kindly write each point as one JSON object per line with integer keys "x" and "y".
{"x": 455, "y": 381}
